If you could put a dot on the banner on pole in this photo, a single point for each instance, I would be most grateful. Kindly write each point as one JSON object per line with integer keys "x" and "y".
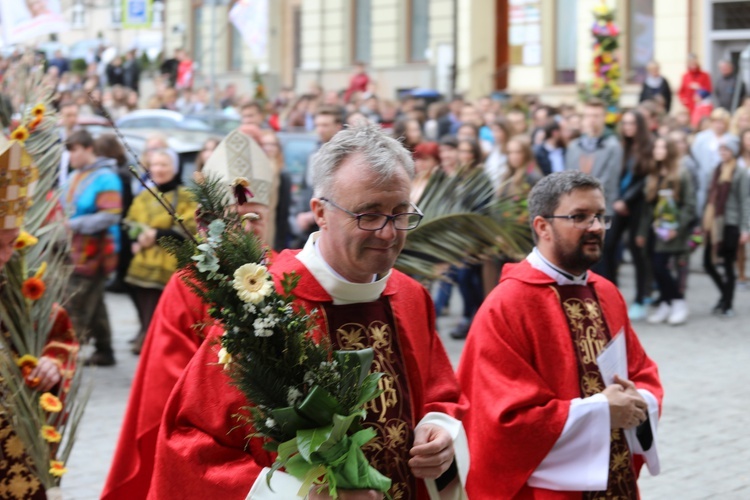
{"x": 137, "y": 13}
{"x": 24, "y": 20}
{"x": 250, "y": 17}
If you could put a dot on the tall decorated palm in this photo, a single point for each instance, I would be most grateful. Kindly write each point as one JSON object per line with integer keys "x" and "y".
{"x": 44, "y": 423}
{"x": 605, "y": 83}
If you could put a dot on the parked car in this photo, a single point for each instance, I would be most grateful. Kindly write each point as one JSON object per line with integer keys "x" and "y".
{"x": 217, "y": 121}
{"x": 162, "y": 119}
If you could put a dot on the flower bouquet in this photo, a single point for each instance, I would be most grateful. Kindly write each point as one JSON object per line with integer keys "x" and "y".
{"x": 43, "y": 423}
{"x": 304, "y": 398}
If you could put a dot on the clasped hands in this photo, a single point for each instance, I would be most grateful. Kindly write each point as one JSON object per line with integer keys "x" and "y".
{"x": 431, "y": 455}
{"x": 146, "y": 239}
{"x": 627, "y": 408}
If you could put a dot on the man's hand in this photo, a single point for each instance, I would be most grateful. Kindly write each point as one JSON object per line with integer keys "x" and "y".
{"x": 432, "y": 452}
{"x": 45, "y": 376}
{"x": 344, "y": 494}
{"x": 627, "y": 408}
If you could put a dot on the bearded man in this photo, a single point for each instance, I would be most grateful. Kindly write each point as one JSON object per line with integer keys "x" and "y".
{"x": 542, "y": 420}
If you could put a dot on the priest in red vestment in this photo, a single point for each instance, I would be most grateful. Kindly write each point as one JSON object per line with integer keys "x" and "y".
{"x": 178, "y": 328}
{"x": 545, "y": 421}
{"x": 361, "y": 204}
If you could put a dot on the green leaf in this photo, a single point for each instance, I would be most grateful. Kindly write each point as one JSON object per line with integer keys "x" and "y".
{"x": 369, "y": 389}
{"x": 360, "y": 360}
{"x": 319, "y": 406}
{"x": 290, "y": 421}
{"x": 310, "y": 441}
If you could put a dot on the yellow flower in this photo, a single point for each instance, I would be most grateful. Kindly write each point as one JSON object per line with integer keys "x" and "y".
{"x": 40, "y": 272}
{"x": 38, "y": 110}
{"x": 224, "y": 357}
{"x": 27, "y": 360}
{"x": 49, "y": 402}
{"x": 20, "y": 134}
{"x": 601, "y": 9}
{"x": 24, "y": 240}
{"x": 57, "y": 468}
{"x": 50, "y": 434}
{"x": 252, "y": 283}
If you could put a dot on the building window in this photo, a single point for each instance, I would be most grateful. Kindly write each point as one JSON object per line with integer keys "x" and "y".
{"x": 419, "y": 29}
{"x": 566, "y": 41}
{"x": 78, "y": 15}
{"x": 235, "y": 48}
{"x": 197, "y": 32}
{"x": 362, "y": 29}
{"x": 731, "y": 16}
{"x": 157, "y": 14}
{"x": 641, "y": 41}
{"x": 116, "y": 13}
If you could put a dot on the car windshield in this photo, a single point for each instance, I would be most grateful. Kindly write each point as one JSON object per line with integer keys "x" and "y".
{"x": 193, "y": 124}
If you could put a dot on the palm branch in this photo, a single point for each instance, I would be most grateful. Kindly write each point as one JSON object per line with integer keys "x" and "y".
{"x": 463, "y": 222}
{"x": 27, "y": 323}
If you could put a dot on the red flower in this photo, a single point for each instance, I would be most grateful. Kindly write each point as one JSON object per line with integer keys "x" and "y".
{"x": 91, "y": 249}
{"x": 33, "y": 288}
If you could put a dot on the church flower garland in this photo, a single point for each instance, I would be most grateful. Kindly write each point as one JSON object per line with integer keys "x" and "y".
{"x": 305, "y": 399}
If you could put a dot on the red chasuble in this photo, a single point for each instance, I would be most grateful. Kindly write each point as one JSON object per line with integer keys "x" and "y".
{"x": 201, "y": 453}
{"x": 173, "y": 338}
{"x": 520, "y": 371}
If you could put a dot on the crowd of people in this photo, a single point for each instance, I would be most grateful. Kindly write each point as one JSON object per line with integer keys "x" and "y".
{"x": 672, "y": 180}
{"x": 658, "y": 184}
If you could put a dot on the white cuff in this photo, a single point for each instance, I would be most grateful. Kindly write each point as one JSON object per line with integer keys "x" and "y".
{"x": 652, "y": 455}
{"x": 579, "y": 460}
{"x": 461, "y": 455}
{"x": 283, "y": 487}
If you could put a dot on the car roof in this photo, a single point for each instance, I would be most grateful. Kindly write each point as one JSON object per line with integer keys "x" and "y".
{"x": 144, "y": 113}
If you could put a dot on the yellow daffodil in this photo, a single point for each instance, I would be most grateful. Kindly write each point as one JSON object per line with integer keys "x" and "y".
{"x": 50, "y": 434}
{"x": 252, "y": 282}
{"x": 24, "y": 240}
{"x": 57, "y": 468}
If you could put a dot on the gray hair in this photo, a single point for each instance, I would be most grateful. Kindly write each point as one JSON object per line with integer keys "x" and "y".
{"x": 382, "y": 154}
{"x": 544, "y": 198}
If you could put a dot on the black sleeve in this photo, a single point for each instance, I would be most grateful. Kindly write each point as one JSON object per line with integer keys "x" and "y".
{"x": 283, "y": 206}
{"x": 171, "y": 233}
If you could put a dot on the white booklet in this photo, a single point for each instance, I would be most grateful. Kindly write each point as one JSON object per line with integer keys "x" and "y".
{"x": 613, "y": 360}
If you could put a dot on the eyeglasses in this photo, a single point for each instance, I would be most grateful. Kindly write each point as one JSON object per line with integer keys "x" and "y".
{"x": 585, "y": 221}
{"x": 374, "y": 222}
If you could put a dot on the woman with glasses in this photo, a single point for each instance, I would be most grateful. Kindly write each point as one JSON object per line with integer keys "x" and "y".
{"x": 667, "y": 218}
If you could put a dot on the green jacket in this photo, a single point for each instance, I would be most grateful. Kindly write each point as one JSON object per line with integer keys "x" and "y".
{"x": 686, "y": 217}
{"x": 152, "y": 267}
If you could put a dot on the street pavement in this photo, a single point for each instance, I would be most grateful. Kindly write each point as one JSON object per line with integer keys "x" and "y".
{"x": 703, "y": 438}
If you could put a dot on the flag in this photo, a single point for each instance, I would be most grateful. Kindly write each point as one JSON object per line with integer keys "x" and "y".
{"x": 136, "y": 13}
{"x": 23, "y": 20}
{"x": 250, "y": 17}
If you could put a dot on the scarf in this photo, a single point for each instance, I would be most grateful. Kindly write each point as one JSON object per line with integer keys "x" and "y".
{"x": 718, "y": 194}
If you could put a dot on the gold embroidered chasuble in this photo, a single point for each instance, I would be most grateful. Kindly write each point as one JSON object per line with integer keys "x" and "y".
{"x": 371, "y": 324}
{"x": 590, "y": 334}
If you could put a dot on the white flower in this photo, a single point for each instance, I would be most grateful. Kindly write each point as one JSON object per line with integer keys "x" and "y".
{"x": 224, "y": 357}
{"x": 252, "y": 282}
{"x": 293, "y": 395}
{"x": 270, "y": 423}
